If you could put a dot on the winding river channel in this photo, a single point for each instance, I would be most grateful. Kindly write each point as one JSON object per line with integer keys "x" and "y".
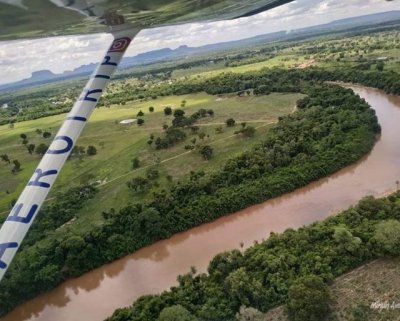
{"x": 96, "y": 294}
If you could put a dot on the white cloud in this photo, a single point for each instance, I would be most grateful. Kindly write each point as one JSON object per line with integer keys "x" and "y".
{"x": 73, "y": 43}
{"x": 18, "y": 59}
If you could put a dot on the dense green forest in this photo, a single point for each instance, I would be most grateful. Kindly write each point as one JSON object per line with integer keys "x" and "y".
{"x": 332, "y": 128}
{"x": 271, "y": 80}
{"x": 269, "y": 273}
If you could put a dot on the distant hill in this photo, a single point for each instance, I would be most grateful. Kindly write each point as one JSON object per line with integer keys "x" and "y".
{"x": 363, "y": 20}
{"x": 44, "y": 76}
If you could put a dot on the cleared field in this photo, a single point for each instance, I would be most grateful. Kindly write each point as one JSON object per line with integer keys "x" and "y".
{"x": 118, "y": 144}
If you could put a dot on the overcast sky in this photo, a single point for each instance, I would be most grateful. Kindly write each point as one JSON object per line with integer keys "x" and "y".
{"x": 18, "y": 59}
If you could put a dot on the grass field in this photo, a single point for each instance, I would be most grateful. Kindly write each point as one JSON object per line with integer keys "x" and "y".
{"x": 118, "y": 144}
{"x": 355, "y": 293}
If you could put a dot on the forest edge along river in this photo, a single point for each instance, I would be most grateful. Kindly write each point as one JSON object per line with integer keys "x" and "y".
{"x": 96, "y": 294}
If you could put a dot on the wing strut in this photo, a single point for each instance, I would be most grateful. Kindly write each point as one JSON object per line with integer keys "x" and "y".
{"x": 26, "y": 208}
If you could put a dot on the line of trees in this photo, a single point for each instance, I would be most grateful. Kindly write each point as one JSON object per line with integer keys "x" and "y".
{"x": 311, "y": 143}
{"x": 265, "y": 82}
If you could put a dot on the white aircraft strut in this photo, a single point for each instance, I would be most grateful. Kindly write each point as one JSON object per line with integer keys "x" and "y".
{"x": 28, "y": 204}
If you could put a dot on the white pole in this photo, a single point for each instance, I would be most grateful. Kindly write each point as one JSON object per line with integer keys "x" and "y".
{"x": 26, "y": 208}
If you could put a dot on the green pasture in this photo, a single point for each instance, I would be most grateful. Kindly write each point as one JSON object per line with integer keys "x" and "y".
{"x": 118, "y": 144}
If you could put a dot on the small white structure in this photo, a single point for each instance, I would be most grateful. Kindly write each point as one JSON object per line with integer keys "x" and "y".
{"x": 4, "y": 106}
{"x": 128, "y": 121}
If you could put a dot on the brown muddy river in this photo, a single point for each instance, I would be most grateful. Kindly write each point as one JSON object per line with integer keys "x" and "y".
{"x": 96, "y": 294}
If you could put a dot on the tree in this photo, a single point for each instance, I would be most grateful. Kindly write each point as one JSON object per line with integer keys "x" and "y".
{"x": 135, "y": 163}
{"x": 23, "y": 136}
{"x": 138, "y": 184}
{"x": 152, "y": 174}
{"x": 46, "y": 134}
{"x": 140, "y": 114}
{"x": 181, "y": 121}
{"x": 168, "y": 111}
{"x": 194, "y": 129}
{"x": 176, "y": 313}
{"x": 248, "y": 131}
{"x": 122, "y": 315}
{"x": 262, "y": 90}
{"x": 345, "y": 239}
{"x": 91, "y": 150}
{"x": 17, "y": 166}
{"x": 172, "y": 136}
{"x": 380, "y": 65}
{"x": 140, "y": 122}
{"x": 230, "y": 122}
{"x": 387, "y": 235}
{"x": 210, "y": 112}
{"x": 179, "y": 113}
{"x": 202, "y": 135}
{"x": 202, "y": 112}
{"x": 206, "y": 151}
{"x": 5, "y": 158}
{"x": 308, "y": 299}
{"x": 151, "y": 109}
{"x": 30, "y": 148}
{"x": 42, "y": 149}
{"x": 149, "y": 224}
{"x": 242, "y": 289}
